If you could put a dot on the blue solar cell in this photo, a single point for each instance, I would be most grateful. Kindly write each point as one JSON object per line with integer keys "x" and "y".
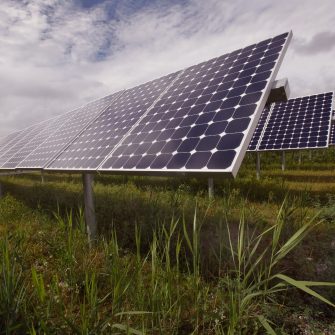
{"x": 205, "y": 116}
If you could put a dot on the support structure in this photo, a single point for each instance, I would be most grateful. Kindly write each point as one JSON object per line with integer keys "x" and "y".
{"x": 299, "y": 158}
{"x": 1, "y": 191}
{"x": 91, "y": 224}
{"x": 283, "y": 161}
{"x": 210, "y": 188}
{"x": 258, "y": 165}
{"x": 310, "y": 155}
{"x": 42, "y": 177}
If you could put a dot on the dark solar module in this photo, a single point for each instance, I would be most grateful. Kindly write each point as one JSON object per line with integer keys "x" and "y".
{"x": 300, "y": 123}
{"x": 205, "y": 119}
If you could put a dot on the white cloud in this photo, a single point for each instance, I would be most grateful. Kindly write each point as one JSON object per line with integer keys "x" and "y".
{"x": 49, "y": 49}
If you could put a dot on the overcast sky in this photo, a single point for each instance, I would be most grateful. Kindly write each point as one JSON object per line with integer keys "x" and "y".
{"x": 56, "y": 55}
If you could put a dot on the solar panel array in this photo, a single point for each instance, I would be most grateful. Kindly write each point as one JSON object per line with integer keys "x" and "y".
{"x": 196, "y": 120}
{"x": 8, "y": 141}
{"x": 300, "y": 123}
{"x": 70, "y": 128}
{"x": 103, "y": 134}
{"x": 44, "y": 132}
{"x": 24, "y": 137}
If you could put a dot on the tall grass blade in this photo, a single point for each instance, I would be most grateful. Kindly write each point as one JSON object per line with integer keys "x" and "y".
{"x": 302, "y": 286}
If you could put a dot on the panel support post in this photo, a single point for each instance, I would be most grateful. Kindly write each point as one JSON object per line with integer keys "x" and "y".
{"x": 210, "y": 188}
{"x": 299, "y": 157}
{"x": 258, "y": 165}
{"x": 310, "y": 155}
{"x": 283, "y": 161}
{"x": 1, "y": 191}
{"x": 90, "y": 219}
{"x": 42, "y": 177}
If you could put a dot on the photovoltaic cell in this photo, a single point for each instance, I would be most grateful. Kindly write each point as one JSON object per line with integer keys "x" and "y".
{"x": 102, "y": 135}
{"x": 300, "y": 123}
{"x": 259, "y": 129}
{"x": 70, "y": 127}
{"x": 205, "y": 120}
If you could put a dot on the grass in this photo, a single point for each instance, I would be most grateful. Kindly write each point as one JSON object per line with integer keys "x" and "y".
{"x": 255, "y": 259}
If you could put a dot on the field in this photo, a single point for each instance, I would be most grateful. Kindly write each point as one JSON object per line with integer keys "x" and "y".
{"x": 258, "y": 258}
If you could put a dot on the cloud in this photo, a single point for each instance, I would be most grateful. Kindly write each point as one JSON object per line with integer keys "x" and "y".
{"x": 59, "y": 54}
{"x": 319, "y": 43}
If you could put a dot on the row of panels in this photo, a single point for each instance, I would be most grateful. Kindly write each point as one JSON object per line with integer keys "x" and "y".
{"x": 200, "y": 119}
{"x": 300, "y": 123}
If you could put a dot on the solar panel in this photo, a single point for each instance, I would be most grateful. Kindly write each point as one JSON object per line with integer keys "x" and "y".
{"x": 300, "y": 123}
{"x": 259, "y": 129}
{"x": 70, "y": 127}
{"x": 25, "y": 136}
{"x": 332, "y": 130}
{"x": 8, "y": 141}
{"x": 49, "y": 127}
{"x": 205, "y": 119}
{"x": 102, "y": 135}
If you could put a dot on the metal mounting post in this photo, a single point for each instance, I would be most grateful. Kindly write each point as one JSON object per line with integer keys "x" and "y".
{"x": 299, "y": 158}
{"x": 91, "y": 224}
{"x": 42, "y": 177}
{"x": 258, "y": 165}
{"x": 310, "y": 155}
{"x": 210, "y": 188}
{"x": 283, "y": 161}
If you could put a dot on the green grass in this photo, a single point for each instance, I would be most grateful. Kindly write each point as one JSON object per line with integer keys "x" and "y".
{"x": 168, "y": 259}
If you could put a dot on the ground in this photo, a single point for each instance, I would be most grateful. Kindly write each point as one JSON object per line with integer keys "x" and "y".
{"x": 168, "y": 259}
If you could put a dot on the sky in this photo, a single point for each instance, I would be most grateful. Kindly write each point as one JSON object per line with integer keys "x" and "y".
{"x": 56, "y": 55}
